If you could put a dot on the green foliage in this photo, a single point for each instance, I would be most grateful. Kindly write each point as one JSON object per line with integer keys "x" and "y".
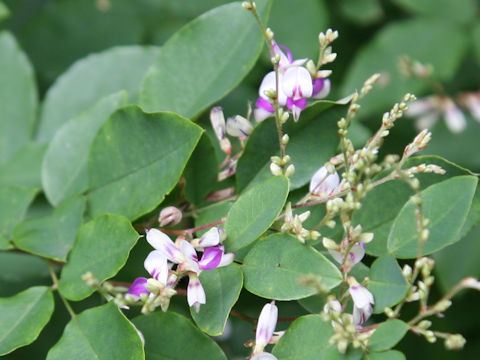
{"x": 90, "y": 79}
{"x": 387, "y": 335}
{"x": 51, "y": 236}
{"x": 18, "y": 97}
{"x": 64, "y": 169}
{"x": 23, "y": 316}
{"x": 275, "y": 264}
{"x": 222, "y": 287}
{"x": 101, "y": 247}
{"x": 446, "y": 205}
{"x": 255, "y": 211}
{"x": 136, "y": 159}
{"x": 387, "y": 283}
{"x": 226, "y": 43}
{"x": 90, "y": 336}
{"x": 158, "y": 328}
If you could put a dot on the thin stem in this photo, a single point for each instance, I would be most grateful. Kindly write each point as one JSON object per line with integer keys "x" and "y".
{"x": 269, "y": 42}
{"x": 55, "y": 287}
{"x": 247, "y": 318}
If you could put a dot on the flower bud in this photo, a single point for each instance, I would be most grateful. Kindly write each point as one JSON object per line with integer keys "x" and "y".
{"x": 329, "y": 244}
{"x": 285, "y": 139}
{"x": 238, "y": 126}
{"x": 169, "y": 216}
{"x": 265, "y": 326}
{"x": 269, "y": 34}
{"x": 290, "y": 170}
{"x": 275, "y": 169}
{"x": 455, "y": 342}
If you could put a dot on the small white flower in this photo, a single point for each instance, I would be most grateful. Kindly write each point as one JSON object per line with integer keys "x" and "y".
{"x": 157, "y": 266}
{"x": 238, "y": 126}
{"x": 362, "y": 301}
{"x": 195, "y": 293}
{"x": 324, "y": 184}
{"x": 265, "y": 326}
{"x": 454, "y": 117}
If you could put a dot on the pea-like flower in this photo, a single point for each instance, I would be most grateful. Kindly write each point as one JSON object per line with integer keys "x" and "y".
{"x": 265, "y": 326}
{"x": 324, "y": 183}
{"x": 362, "y": 301}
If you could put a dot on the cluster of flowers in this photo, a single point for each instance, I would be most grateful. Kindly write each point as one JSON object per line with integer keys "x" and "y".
{"x": 159, "y": 264}
{"x": 362, "y": 309}
{"x": 428, "y": 110}
{"x": 296, "y": 84}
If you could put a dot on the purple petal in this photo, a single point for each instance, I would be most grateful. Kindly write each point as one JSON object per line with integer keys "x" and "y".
{"x": 138, "y": 287}
{"x": 265, "y": 105}
{"x": 211, "y": 258}
{"x": 289, "y": 53}
{"x": 318, "y": 85}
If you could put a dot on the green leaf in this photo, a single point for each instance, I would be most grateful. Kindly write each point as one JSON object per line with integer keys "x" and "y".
{"x": 275, "y": 264}
{"x": 23, "y": 168}
{"x": 387, "y": 283}
{"x": 14, "y": 201}
{"x": 226, "y": 42}
{"x": 384, "y": 202}
{"x": 101, "y": 247}
{"x": 211, "y": 214}
{"x": 362, "y": 12}
{"x": 254, "y": 212}
{"x": 23, "y": 316}
{"x": 51, "y": 236}
{"x": 459, "y": 11}
{"x": 222, "y": 287}
{"x": 101, "y": 333}
{"x": 20, "y": 271}
{"x": 64, "y": 169}
{"x": 465, "y": 253}
{"x": 313, "y": 141}
{"x": 351, "y": 354}
{"x": 171, "y": 336}
{"x": 309, "y": 19}
{"x": 446, "y": 205}
{"x": 476, "y": 40}
{"x": 18, "y": 97}
{"x": 90, "y": 79}
{"x": 387, "y": 335}
{"x": 136, "y": 159}
{"x": 386, "y": 355}
{"x": 201, "y": 171}
{"x": 418, "y": 38}
{"x": 4, "y": 12}
{"x": 306, "y": 339}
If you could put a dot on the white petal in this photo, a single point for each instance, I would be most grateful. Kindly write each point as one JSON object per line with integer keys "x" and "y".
{"x": 297, "y": 83}
{"x": 218, "y": 122}
{"x": 162, "y": 242}
{"x": 227, "y": 259}
{"x": 360, "y": 315}
{"x": 190, "y": 255}
{"x": 210, "y": 238}
{"x": 473, "y": 104}
{"x": 455, "y": 119}
{"x": 419, "y": 107}
{"x": 323, "y": 184}
{"x": 356, "y": 253}
{"x": 362, "y": 298}
{"x": 325, "y": 90}
{"x": 261, "y": 114}
{"x": 268, "y": 84}
{"x": 266, "y": 324}
{"x": 263, "y": 356}
{"x": 239, "y": 126}
{"x": 336, "y": 255}
{"x": 195, "y": 293}
{"x": 156, "y": 265}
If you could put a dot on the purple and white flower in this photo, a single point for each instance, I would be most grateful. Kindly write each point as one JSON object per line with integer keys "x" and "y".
{"x": 356, "y": 254}
{"x": 139, "y": 287}
{"x": 267, "y": 322}
{"x": 324, "y": 184}
{"x": 263, "y": 356}
{"x": 321, "y": 88}
{"x": 297, "y": 86}
{"x": 362, "y": 301}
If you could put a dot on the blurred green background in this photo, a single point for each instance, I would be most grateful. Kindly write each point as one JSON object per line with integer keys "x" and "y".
{"x": 374, "y": 34}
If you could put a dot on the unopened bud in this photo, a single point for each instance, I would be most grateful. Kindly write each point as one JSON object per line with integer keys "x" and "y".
{"x": 217, "y": 120}
{"x": 365, "y": 238}
{"x": 442, "y": 305}
{"x": 285, "y": 139}
{"x": 269, "y": 34}
{"x": 290, "y": 170}
{"x": 329, "y": 244}
{"x": 249, "y": 6}
{"x": 424, "y": 324}
{"x": 275, "y": 169}
{"x": 455, "y": 342}
{"x": 389, "y": 312}
{"x": 169, "y": 216}
{"x": 312, "y": 69}
{"x": 322, "y": 74}
{"x": 276, "y": 160}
